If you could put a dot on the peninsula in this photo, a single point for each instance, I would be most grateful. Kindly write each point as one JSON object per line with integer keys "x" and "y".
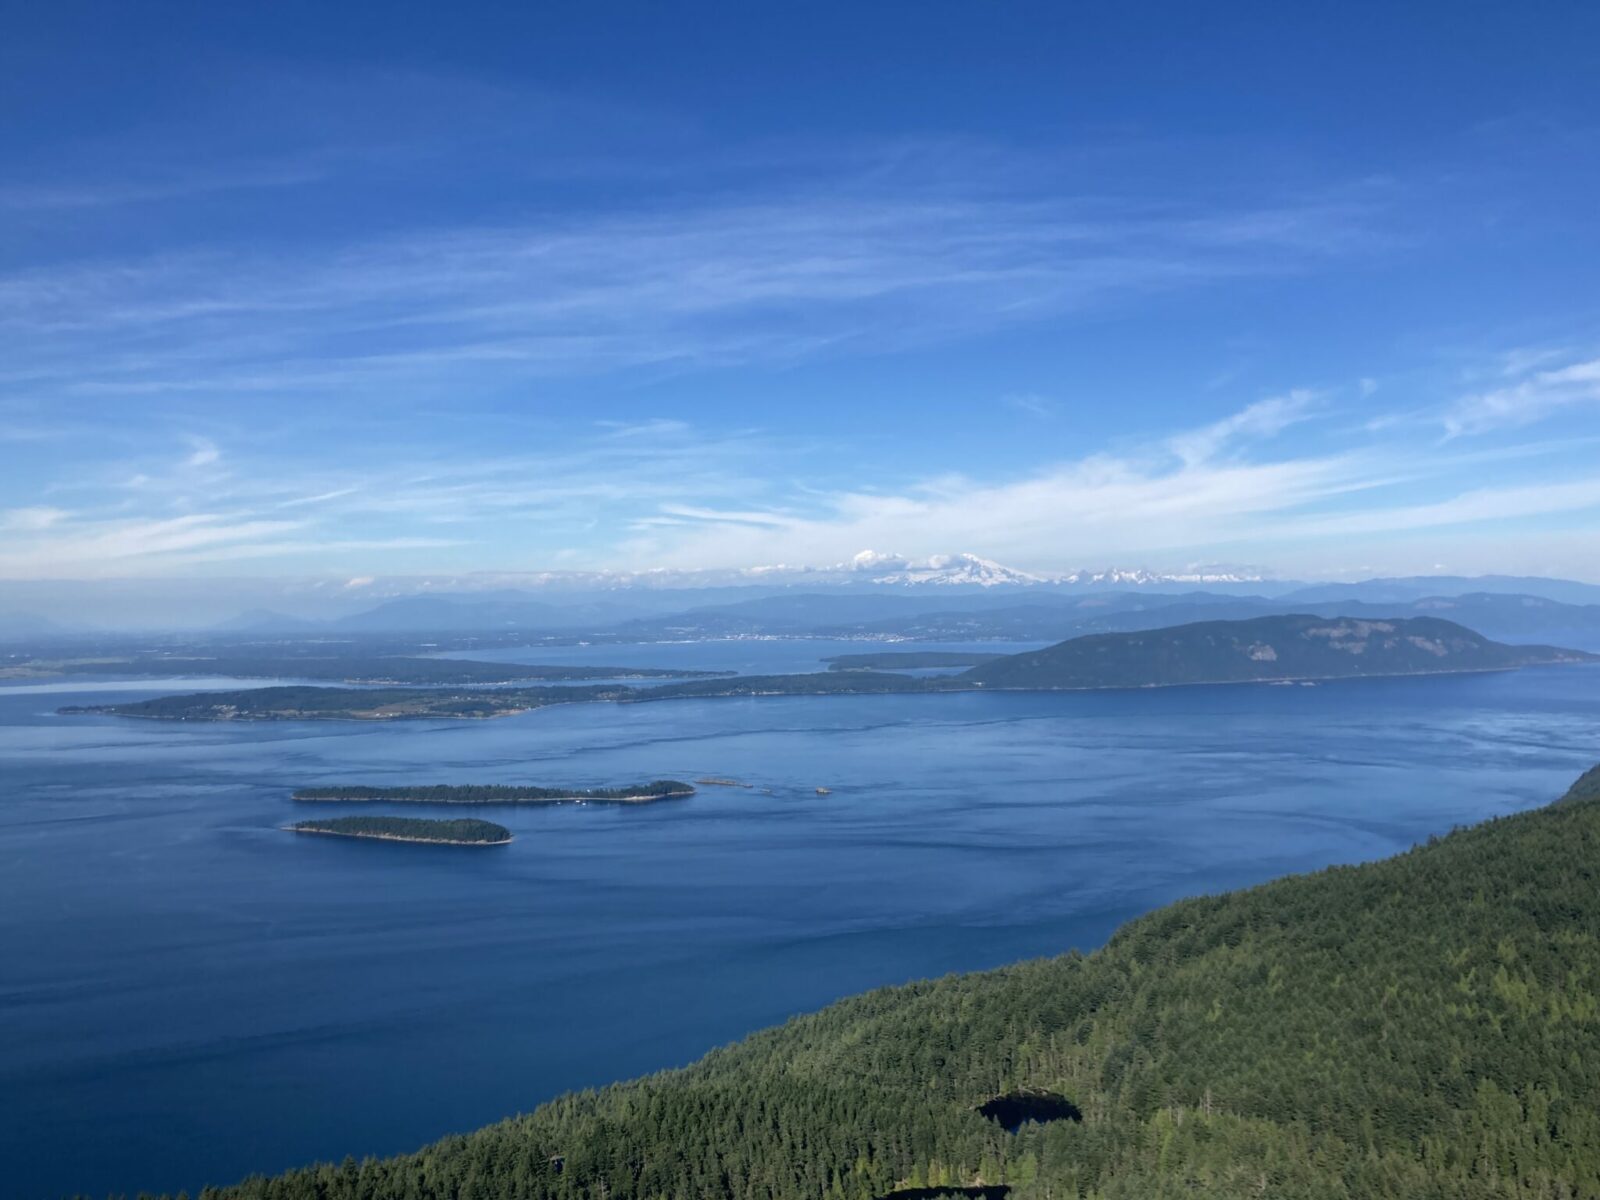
{"x": 495, "y": 793}
{"x": 410, "y": 829}
{"x": 352, "y": 704}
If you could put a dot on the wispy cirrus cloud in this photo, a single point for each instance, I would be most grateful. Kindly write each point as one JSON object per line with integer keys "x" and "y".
{"x": 1263, "y": 419}
{"x": 165, "y": 512}
{"x": 33, "y": 519}
{"x": 1206, "y": 490}
{"x": 154, "y": 186}
{"x": 1538, "y": 392}
{"x": 1493, "y": 504}
{"x": 1031, "y": 404}
{"x": 1066, "y": 514}
{"x": 78, "y": 544}
{"x": 706, "y": 284}
{"x": 204, "y": 454}
{"x": 712, "y": 501}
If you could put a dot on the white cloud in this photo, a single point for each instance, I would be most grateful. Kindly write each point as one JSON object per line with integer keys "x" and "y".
{"x": 319, "y": 498}
{"x": 1230, "y": 489}
{"x": 875, "y": 560}
{"x": 204, "y": 454}
{"x": 1068, "y": 513}
{"x": 1489, "y": 504}
{"x": 1538, "y": 395}
{"x": 1202, "y": 491}
{"x": 101, "y": 546}
{"x": 85, "y": 194}
{"x": 1261, "y": 420}
{"x": 714, "y": 284}
{"x": 191, "y": 514}
{"x": 33, "y": 519}
{"x": 1030, "y": 404}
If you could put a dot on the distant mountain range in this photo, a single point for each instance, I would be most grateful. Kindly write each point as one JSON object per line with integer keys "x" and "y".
{"x": 597, "y": 602}
{"x": 28, "y": 625}
{"x": 872, "y": 595}
{"x": 956, "y": 609}
{"x": 1416, "y": 587}
{"x": 968, "y": 570}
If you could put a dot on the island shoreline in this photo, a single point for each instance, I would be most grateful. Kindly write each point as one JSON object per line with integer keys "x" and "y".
{"x": 526, "y": 800}
{"x": 395, "y": 837}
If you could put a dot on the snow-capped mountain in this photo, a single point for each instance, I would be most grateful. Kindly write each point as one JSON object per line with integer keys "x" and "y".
{"x": 869, "y": 568}
{"x": 952, "y": 570}
{"x": 1114, "y": 576}
{"x": 969, "y": 570}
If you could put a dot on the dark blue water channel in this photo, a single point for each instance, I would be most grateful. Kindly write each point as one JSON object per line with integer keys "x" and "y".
{"x": 189, "y": 994}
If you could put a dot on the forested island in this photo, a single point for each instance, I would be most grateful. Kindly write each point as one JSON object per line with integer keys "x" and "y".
{"x": 1421, "y": 1027}
{"x": 397, "y": 704}
{"x": 351, "y": 704}
{"x": 1265, "y": 649}
{"x": 496, "y": 793}
{"x": 462, "y": 832}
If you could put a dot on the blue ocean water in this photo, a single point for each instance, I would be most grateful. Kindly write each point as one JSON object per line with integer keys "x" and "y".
{"x": 189, "y": 994}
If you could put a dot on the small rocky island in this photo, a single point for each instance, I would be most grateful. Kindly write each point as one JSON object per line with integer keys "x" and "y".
{"x": 495, "y": 793}
{"x": 466, "y": 832}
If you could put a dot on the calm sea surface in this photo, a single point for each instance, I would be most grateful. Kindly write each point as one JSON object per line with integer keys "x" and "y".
{"x": 189, "y": 994}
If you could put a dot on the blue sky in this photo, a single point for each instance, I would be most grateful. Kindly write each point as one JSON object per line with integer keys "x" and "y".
{"x": 356, "y": 290}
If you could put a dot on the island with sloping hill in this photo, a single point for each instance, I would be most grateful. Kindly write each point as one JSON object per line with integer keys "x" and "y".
{"x": 496, "y": 793}
{"x": 1261, "y": 649}
{"x": 461, "y": 832}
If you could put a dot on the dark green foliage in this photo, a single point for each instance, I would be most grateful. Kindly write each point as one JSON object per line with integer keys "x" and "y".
{"x": 1587, "y": 787}
{"x": 496, "y": 793}
{"x": 1424, "y": 1028}
{"x": 1292, "y": 647}
{"x": 465, "y": 831}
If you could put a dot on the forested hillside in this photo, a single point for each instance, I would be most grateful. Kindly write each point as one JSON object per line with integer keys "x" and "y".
{"x": 1286, "y": 647}
{"x": 1423, "y": 1027}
